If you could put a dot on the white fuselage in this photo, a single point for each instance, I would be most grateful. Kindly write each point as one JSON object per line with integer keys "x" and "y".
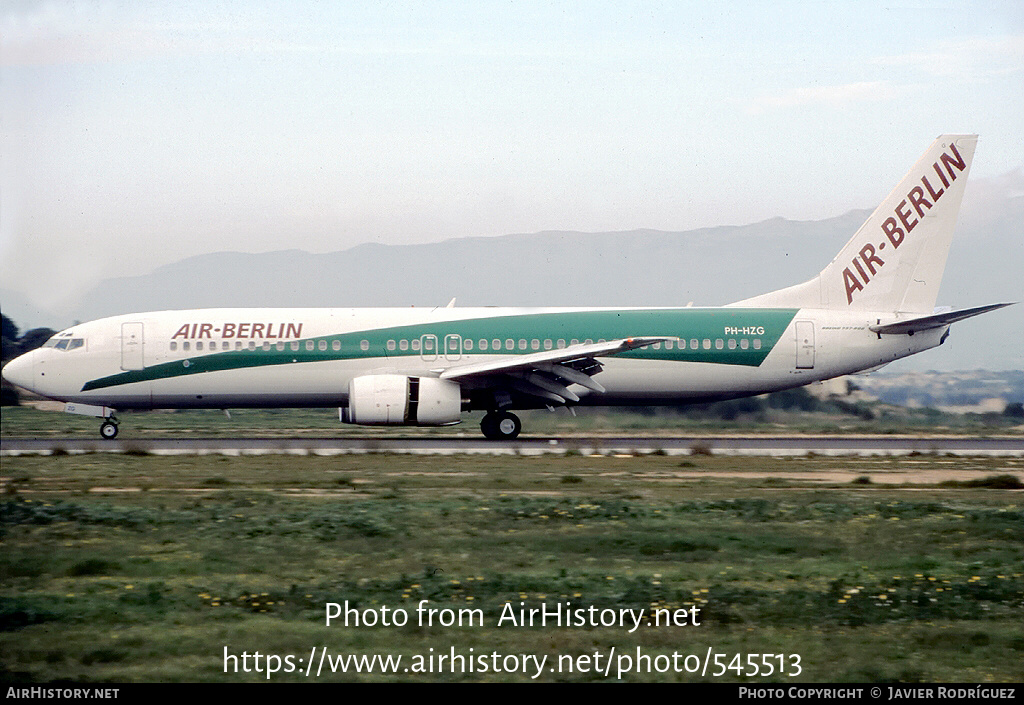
{"x": 221, "y": 358}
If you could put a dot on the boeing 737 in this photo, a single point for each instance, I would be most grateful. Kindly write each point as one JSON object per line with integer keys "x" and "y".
{"x": 874, "y": 303}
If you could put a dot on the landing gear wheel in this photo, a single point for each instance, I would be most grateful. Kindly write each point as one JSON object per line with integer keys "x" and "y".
{"x": 489, "y": 427}
{"x": 108, "y": 429}
{"x": 501, "y": 426}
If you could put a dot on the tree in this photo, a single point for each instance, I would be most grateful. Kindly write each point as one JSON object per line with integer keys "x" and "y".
{"x": 9, "y": 330}
{"x": 35, "y": 338}
{"x": 10, "y": 347}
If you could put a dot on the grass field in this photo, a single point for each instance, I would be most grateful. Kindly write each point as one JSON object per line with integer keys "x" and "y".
{"x": 27, "y": 422}
{"x": 143, "y": 568}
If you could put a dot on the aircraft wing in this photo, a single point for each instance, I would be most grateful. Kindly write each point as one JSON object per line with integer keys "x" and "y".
{"x": 935, "y": 320}
{"x": 549, "y": 373}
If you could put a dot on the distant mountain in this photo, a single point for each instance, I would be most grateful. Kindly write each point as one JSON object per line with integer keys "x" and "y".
{"x": 642, "y": 267}
{"x": 710, "y": 266}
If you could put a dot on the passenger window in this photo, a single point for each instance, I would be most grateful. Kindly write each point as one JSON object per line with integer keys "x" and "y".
{"x": 483, "y": 344}
{"x": 548, "y": 344}
{"x": 707, "y": 344}
{"x": 309, "y": 345}
{"x": 238, "y": 345}
{"x": 266, "y": 345}
{"x": 574, "y": 341}
{"x": 694, "y": 344}
{"x": 561, "y": 343}
{"x": 295, "y": 346}
{"x": 322, "y": 345}
{"x": 280, "y": 346}
{"x": 510, "y": 344}
{"x": 467, "y": 344}
{"x": 336, "y": 345}
{"x": 364, "y": 345}
{"x": 744, "y": 344}
{"x": 732, "y": 343}
{"x": 252, "y": 345}
{"x": 668, "y": 344}
{"x": 174, "y": 345}
{"x": 391, "y": 346}
{"x": 199, "y": 345}
{"x": 719, "y": 344}
{"x": 186, "y": 346}
{"x": 656, "y": 346}
{"x": 757, "y": 343}
{"x": 403, "y": 344}
{"x": 416, "y": 344}
{"x": 495, "y": 344}
{"x": 535, "y": 344}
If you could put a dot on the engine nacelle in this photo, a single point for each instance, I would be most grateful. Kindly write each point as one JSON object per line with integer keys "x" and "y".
{"x": 397, "y": 400}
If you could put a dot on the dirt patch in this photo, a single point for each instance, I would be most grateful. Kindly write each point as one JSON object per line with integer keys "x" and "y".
{"x": 886, "y": 477}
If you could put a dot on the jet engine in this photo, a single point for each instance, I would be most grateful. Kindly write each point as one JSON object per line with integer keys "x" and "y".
{"x": 396, "y": 400}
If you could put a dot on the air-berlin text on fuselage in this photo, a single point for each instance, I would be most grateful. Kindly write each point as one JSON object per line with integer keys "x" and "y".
{"x": 239, "y": 330}
{"x": 897, "y": 226}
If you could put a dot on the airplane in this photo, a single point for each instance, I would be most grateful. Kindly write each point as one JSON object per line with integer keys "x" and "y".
{"x": 872, "y": 304}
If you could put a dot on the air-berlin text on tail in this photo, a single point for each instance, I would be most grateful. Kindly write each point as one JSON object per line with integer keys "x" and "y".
{"x": 904, "y": 219}
{"x": 239, "y": 330}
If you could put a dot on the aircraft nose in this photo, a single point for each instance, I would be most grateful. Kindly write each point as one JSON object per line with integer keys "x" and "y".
{"x": 19, "y": 370}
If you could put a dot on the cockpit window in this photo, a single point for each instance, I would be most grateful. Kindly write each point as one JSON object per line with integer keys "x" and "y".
{"x": 64, "y": 343}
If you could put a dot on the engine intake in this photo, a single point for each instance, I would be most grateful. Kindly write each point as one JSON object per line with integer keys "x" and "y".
{"x": 398, "y": 400}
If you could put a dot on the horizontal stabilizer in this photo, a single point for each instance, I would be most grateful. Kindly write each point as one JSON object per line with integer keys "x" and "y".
{"x": 936, "y": 320}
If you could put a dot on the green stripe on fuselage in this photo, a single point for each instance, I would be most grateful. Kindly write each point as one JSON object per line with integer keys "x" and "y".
{"x": 718, "y": 326}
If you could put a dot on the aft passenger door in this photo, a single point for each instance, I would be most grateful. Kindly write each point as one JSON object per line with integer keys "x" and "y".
{"x": 132, "y": 346}
{"x": 805, "y": 345}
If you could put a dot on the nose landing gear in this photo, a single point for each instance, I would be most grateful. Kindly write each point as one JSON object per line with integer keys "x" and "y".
{"x": 108, "y": 429}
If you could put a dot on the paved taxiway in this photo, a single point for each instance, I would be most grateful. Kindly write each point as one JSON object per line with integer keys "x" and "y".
{"x": 671, "y": 445}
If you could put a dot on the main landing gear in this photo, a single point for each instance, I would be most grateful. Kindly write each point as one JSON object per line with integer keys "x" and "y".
{"x": 501, "y": 426}
{"x": 108, "y": 429}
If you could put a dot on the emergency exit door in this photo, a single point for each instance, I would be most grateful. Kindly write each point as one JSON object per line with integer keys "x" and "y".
{"x": 805, "y": 345}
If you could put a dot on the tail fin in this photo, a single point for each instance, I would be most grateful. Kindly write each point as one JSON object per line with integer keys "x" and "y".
{"x": 895, "y": 260}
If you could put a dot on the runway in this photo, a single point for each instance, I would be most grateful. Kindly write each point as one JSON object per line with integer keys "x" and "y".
{"x": 779, "y": 445}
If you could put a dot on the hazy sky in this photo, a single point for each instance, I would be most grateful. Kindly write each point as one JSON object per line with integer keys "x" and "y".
{"x": 139, "y": 133}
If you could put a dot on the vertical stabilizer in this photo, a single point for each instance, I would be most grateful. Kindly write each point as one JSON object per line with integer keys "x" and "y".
{"x": 895, "y": 260}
